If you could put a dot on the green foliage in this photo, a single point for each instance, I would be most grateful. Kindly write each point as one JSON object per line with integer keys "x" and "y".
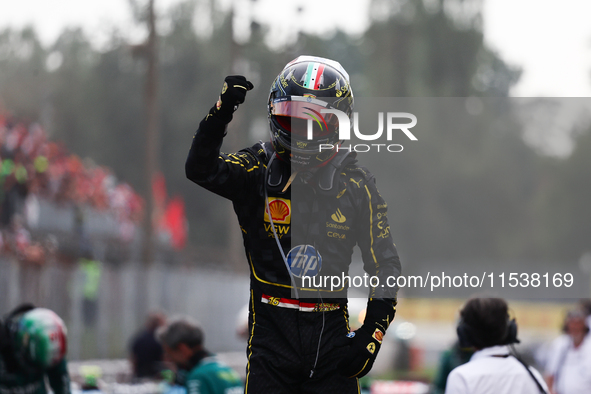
{"x": 562, "y": 203}
{"x": 23, "y": 75}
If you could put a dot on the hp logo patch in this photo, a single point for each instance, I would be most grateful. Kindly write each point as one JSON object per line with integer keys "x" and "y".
{"x": 304, "y": 260}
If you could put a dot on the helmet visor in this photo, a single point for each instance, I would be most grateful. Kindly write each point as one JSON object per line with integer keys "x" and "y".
{"x": 302, "y": 117}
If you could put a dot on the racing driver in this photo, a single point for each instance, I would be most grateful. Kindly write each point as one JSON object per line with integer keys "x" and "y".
{"x": 302, "y": 209}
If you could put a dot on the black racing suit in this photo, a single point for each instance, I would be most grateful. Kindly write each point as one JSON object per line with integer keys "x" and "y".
{"x": 16, "y": 380}
{"x": 334, "y": 209}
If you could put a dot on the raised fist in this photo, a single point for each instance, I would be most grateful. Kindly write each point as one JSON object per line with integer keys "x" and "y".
{"x": 233, "y": 93}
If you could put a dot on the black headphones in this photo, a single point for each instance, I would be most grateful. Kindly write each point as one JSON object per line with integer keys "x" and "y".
{"x": 470, "y": 337}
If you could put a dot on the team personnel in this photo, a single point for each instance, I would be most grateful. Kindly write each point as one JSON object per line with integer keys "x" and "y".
{"x": 146, "y": 354}
{"x": 199, "y": 371}
{"x": 32, "y": 348}
{"x": 485, "y": 326}
{"x": 301, "y": 210}
{"x": 568, "y": 370}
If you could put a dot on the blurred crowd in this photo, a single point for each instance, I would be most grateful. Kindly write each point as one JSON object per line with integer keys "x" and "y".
{"x": 31, "y": 164}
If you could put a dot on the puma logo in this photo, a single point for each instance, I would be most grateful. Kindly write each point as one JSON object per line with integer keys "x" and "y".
{"x": 355, "y": 182}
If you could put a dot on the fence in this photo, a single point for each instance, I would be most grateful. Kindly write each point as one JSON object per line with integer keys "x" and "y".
{"x": 100, "y": 325}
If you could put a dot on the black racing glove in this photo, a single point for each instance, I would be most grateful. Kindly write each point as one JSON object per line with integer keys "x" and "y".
{"x": 364, "y": 344}
{"x": 233, "y": 93}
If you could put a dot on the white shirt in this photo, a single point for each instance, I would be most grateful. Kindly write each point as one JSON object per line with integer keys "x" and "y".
{"x": 493, "y": 371}
{"x": 570, "y": 367}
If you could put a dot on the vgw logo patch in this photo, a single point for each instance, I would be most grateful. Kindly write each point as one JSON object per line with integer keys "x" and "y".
{"x": 304, "y": 260}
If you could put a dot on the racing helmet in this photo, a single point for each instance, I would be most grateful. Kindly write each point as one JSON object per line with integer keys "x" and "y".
{"x": 301, "y": 133}
{"x": 39, "y": 338}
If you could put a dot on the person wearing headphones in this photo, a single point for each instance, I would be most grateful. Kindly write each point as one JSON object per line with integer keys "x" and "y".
{"x": 302, "y": 204}
{"x": 485, "y": 326}
{"x": 32, "y": 348}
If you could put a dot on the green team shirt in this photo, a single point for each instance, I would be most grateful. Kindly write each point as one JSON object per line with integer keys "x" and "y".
{"x": 21, "y": 383}
{"x": 211, "y": 376}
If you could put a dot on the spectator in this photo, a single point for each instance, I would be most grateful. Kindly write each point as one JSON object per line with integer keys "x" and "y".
{"x": 201, "y": 372}
{"x": 568, "y": 370}
{"x": 146, "y": 353}
{"x": 485, "y": 326}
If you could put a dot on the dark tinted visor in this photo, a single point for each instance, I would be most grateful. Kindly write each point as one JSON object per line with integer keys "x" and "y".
{"x": 295, "y": 114}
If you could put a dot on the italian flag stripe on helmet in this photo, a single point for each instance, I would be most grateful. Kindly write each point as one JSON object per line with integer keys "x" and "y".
{"x": 313, "y": 74}
{"x": 319, "y": 76}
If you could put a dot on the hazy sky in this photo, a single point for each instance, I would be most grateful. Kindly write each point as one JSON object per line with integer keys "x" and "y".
{"x": 550, "y": 40}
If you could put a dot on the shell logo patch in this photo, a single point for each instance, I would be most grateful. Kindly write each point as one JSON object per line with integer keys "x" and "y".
{"x": 280, "y": 210}
{"x": 378, "y": 335}
{"x": 371, "y": 348}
